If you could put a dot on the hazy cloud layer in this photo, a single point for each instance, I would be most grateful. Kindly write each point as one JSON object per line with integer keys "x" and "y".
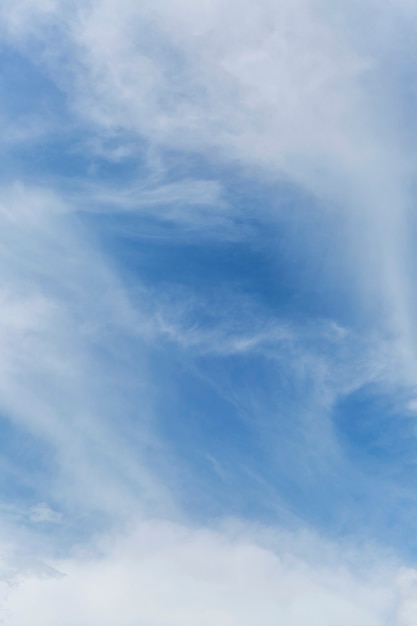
{"x": 170, "y": 574}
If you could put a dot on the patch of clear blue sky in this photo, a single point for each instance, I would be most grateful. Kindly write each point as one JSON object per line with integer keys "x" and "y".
{"x": 235, "y": 423}
{"x": 278, "y": 248}
{"x": 23, "y": 482}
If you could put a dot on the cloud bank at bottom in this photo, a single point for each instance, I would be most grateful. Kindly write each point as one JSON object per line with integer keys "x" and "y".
{"x": 169, "y": 574}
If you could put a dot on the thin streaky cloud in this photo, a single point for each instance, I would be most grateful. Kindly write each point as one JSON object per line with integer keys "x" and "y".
{"x": 208, "y": 377}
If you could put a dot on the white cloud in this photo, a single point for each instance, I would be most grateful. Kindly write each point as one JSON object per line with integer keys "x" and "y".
{"x": 43, "y": 513}
{"x": 167, "y": 575}
{"x": 195, "y": 205}
{"x": 263, "y": 83}
{"x": 272, "y": 85}
{"x": 60, "y": 306}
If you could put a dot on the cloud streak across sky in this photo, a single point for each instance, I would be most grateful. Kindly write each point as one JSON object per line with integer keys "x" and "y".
{"x": 208, "y": 380}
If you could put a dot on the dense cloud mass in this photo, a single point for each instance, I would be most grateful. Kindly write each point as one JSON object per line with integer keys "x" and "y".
{"x": 170, "y": 574}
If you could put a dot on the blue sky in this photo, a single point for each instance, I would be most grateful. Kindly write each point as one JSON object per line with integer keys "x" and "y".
{"x": 208, "y": 380}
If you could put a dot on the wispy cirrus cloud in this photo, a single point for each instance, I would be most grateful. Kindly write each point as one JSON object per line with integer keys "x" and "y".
{"x": 60, "y": 306}
{"x": 295, "y": 92}
{"x": 179, "y": 337}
